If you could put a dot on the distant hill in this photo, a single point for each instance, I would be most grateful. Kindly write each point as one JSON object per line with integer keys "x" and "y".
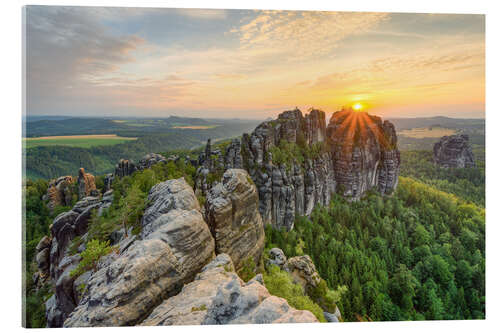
{"x": 409, "y": 123}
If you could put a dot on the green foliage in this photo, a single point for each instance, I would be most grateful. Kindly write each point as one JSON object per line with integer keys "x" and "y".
{"x": 90, "y": 257}
{"x": 247, "y": 272}
{"x": 130, "y": 198}
{"x": 416, "y": 255}
{"x": 467, "y": 184}
{"x": 202, "y": 307}
{"x": 280, "y": 283}
{"x": 35, "y": 307}
{"x": 287, "y": 153}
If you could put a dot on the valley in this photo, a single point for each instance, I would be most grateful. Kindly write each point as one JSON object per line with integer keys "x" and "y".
{"x": 404, "y": 243}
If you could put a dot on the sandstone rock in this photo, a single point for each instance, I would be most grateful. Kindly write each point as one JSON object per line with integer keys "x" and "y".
{"x": 219, "y": 296}
{"x": 365, "y": 153}
{"x": 355, "y": 153}
{"x": 330, "y": 317}
{"x": 124, "y": 168}
{"x": 233, "y": 217}
{"x": 108, "y": 181}
{"x": 60, "y": 192}
{"x": 303, "y": 271}
{"x": 86, "y": 184}
{"x": 454, "y": 152}
{"x": 276, "y": 257}
{"x": 149, "y": 160}
{"x": 176, "y": 244}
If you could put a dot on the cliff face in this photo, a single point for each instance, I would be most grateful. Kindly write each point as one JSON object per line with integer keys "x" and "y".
{"x": 454, "y": 152}
{"x": 296, "y": 161}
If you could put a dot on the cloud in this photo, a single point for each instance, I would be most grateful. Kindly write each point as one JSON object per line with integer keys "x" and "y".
{"x": 304, "y": 34}
{"x": 206, "y": 14}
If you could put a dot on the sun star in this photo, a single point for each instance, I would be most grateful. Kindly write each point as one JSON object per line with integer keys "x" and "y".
{"x": 357, "y": 106}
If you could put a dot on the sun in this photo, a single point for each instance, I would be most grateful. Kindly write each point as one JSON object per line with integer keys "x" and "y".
{"x": 357, "y": 107}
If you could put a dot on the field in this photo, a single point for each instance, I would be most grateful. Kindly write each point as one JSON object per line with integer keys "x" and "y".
{"x": 81, "y": 141}
{"x": 427, "y": 132}
{"x": 195, "y": 127}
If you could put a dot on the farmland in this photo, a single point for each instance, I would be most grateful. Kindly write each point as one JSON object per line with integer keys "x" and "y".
{"x": 80, "y": 141}
{"x": 427, "y": 132}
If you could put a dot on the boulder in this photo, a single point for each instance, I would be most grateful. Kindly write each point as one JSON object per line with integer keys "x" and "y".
{"x": 176, "y": 243}
{"x": 219, "y": 296}
{"x": 276, "y": 257}
{"x": 303, "y": 271}
{"x": 454, "y": 152}
{"x": 232, "y": 214}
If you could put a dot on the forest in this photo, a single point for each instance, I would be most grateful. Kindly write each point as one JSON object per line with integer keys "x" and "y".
{"x": 418, "y": 255}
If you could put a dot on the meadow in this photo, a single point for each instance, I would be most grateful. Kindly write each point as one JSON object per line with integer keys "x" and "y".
{"x": 80, "y": 141}
{"x": 427, "y": 132}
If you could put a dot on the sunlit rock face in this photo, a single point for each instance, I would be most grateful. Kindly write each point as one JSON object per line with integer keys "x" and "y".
{"x": 454, "y": 151}
{"x": 365, "y": 153}
{"x": 355, "y": 153}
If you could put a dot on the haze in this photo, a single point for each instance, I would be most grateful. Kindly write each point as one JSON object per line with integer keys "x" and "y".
{"x": 251, "y": 64}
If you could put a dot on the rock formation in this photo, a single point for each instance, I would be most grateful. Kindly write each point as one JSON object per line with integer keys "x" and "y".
{"x": 454, "y": 152}
{"x": 175, "y": 244}
{"x": 86, "y": 184}
{"x": 60, "y": 192}
{"x": 365, "y": 153}
{"x": 148, "y": 278}
{"x": 355, "y": 153}
{"x": 149, "y": 160}
{"x": 233, "y": 217}
{"x": 125, "y": 168}
{"x": 303, "y": 271}
{"x": 219, "y": 296}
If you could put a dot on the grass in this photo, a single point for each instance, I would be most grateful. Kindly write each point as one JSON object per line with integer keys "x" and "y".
{"x": 427, "y": 132}
{"x": 81, "y": 141}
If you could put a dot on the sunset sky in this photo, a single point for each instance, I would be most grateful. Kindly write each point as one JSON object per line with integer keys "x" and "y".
{"x": 251, "y": 64}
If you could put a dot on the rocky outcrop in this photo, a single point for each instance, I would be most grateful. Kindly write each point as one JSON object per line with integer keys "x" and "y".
{"x": 219, "y": 296}
{"x": 128, "y": 167}
{"x": 303, "y": 271}
{"x": 454, "y": 152}
{"x": 355, "y": 153}
{"x": 232, "y": 214}
{"x": 176, "y": 243}
{"x": 276, "y": 257}
{"x": 149, "y": 160}
{"x": 60, "y": 192}
{"x": 125, "y": 168}
{"x": 365, "y": 153}
{"x": 86, "y": 184}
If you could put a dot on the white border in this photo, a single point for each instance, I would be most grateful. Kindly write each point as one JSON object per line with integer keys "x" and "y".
{"x": 11, "y": 153}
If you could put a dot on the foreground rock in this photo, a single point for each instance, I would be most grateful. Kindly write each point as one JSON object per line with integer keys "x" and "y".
{"x": 176, "y": 243}
{"x": 233, "y": 217}
{"x": 356, "y": 152}
{"x": 219, "y": 296}
{"x": 454, "y": 152}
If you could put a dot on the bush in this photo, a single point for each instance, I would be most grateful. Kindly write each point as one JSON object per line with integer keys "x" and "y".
{"x": 280, "y": 283}
{"x": 90, "y": 257}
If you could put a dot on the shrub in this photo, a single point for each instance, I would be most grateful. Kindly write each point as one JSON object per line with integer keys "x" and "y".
{"x": 247, "y": 272}
{"x": 280, "y": 283}
{"x": 90, "y": 257}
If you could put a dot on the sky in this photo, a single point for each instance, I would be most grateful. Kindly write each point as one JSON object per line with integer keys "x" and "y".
{"x": 98, "y": 61}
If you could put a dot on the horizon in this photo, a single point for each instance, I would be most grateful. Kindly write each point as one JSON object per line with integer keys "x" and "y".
{"x": 251, "y": 64}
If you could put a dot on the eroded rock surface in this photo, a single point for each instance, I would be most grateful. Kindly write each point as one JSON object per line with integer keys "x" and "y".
{"x": 176, "y": 243}
{"x": 86, "y": 184}
{"x": 233, "y": 217}
{"x": 60, "y": 192}
{"x": 219, "y": 296}
{"x": 454, "y": 152}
